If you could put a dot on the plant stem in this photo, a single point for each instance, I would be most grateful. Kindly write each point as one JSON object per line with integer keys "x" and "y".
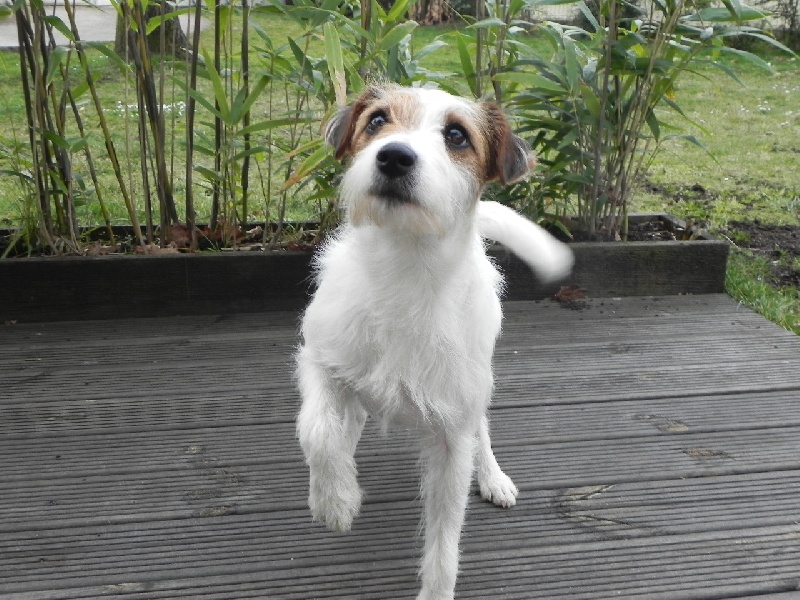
{"x": 112, "y": 153}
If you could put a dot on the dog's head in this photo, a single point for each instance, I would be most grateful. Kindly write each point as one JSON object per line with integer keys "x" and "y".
{"x": 420, "y": 157}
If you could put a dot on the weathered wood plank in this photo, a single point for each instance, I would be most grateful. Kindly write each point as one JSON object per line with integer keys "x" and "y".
{"x": 654, "y": 442}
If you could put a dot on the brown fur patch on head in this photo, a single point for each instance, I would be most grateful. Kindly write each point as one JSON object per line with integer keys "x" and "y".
{"x": 347, "y": 130}
{"x": 477, "y": 155}
{"x": 510, "y": 156}
{"x": 496, "y": 152}
{"x": 399, "y": 109}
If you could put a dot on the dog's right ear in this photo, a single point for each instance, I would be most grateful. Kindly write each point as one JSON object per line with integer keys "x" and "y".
{"x": 341, "y": 129}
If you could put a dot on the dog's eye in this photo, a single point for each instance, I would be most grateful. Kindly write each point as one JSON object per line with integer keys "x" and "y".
{"x": 376, "y": 121}
{"x": 456, "y": 136}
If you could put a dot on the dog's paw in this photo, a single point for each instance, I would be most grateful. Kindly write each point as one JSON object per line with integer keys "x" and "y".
{"x": 498, "y": 489}
{"x": 335, "y": 504}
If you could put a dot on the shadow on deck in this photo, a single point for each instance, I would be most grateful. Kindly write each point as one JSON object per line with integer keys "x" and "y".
{"x": 656, "y": 443}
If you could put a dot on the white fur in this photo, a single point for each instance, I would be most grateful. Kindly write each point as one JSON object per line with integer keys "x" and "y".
{"x": 548, "y": 257}
{"x": 402, "y": 328}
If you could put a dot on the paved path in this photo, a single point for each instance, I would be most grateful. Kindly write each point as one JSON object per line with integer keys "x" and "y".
{"x": 95, "y": 24}
{"x": 656, "y": 443}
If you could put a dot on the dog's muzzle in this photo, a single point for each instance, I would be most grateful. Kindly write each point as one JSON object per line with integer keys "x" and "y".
{"x": 396, "y": 164}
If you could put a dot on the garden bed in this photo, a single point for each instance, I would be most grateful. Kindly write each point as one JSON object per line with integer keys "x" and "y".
{"x": 100, "y": 287}
{"x": 780, "y": 244}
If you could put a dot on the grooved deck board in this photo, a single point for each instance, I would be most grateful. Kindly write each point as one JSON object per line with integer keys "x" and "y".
{"x": 655, "y": 441}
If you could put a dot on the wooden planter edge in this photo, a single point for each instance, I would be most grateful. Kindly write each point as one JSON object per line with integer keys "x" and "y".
{"x": 106, "y": 287}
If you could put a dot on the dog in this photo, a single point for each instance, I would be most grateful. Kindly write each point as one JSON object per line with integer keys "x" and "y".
{"x": 405, "y": 315}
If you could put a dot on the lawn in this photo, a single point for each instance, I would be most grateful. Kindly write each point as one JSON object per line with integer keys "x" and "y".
{"x": 749, "y": 169}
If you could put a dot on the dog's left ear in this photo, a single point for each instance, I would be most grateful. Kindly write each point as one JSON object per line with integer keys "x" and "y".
{"x": 510, "y": 156}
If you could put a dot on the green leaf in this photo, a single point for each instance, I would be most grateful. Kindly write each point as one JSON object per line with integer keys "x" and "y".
{"x": 115, "y": 58}
{"x": 674, "y": 106}
{"x": 240, "y": 156}
{"x": 219, "y": 88}
{"x": 398, "y": 11}
{"x": 770, "y": 40}
{"x": 568, "y": 139}
{"x": 308, "y": 166}
{"x": 209, "y": 174}
{"x": 692, "y": 140}
{"x": 155, "y": 22}
{"x": 241, "y": 107}
{"x": 302, "y": 60}
{"x": 274, "y": 124}
{"x": 749, "y": 56}
{"x": 491, "y": 22}
{"x": 723, "y": 15}
{"x": 466, "y": 63}
{"x": 19, "y": 174}
{"x": 265, "y": 37}
{"x": 735, "y": 8}
{"x": 80, "y": 89}
{"x": 591, "y": 101}
{"x": 652, "y": 122}
{"x": 60, "y": 26}
{"x": 432, "y": 47}
{"x": 532, "y": 81}
{"x": 396, "y": 34}
{"x": 68, "y": 144}
{"x": 588, "y": 14}
{"x": 335, "y": 60}
{"x": 55, "y": 139}
{"x": 571, "y": 65}
{"x": 57, "y": 54}
{"x": 224, "y": 12}
{"x": 200, "y": 98}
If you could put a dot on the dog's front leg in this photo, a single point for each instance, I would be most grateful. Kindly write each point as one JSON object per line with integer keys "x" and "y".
{"x": 495, "y": 485}
{"x": 447, "y": 459}
{"x": 328, "y": 430}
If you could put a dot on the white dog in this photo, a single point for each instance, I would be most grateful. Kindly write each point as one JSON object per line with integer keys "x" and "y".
{"x": 404, "y": 320}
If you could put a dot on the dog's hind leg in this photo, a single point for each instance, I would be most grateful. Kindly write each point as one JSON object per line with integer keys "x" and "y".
{"x": 495, "y": 485}
{"x": 448, "y": 462}
{"x": 328, "y": 432}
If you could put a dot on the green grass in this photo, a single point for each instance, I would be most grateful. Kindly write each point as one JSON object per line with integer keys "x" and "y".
{"x": 751, "y": 168}
{"x": 748, "y": 282}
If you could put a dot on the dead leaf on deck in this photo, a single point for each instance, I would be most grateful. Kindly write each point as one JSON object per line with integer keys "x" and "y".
{"x": 570, "y": 293}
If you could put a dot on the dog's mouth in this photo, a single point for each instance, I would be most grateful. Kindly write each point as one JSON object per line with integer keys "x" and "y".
{"x": 393, "y": 191}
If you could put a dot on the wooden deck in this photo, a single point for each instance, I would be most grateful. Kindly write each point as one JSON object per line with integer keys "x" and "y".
{"x": 656, "y": 442}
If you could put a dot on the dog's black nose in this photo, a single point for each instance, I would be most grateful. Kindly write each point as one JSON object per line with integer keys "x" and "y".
{"x": 396, "y": 159}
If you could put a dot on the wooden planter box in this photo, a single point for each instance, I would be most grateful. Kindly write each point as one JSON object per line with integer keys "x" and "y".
{"x": 609, "y": 269}
{"x": 77, "y": 288}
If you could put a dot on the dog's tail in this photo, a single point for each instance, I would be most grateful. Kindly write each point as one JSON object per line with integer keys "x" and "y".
{"x": 550, "y": 259}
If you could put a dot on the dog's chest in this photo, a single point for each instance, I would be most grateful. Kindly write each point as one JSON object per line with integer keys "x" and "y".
{"x": 405, "y": 332}
{"x": 406, "y": 372}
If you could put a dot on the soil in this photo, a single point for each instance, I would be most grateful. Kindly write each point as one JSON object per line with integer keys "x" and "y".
{"x": 95, "y": 241}
{"x": 779, "y": 243}
{"x": 655, "y": 231}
